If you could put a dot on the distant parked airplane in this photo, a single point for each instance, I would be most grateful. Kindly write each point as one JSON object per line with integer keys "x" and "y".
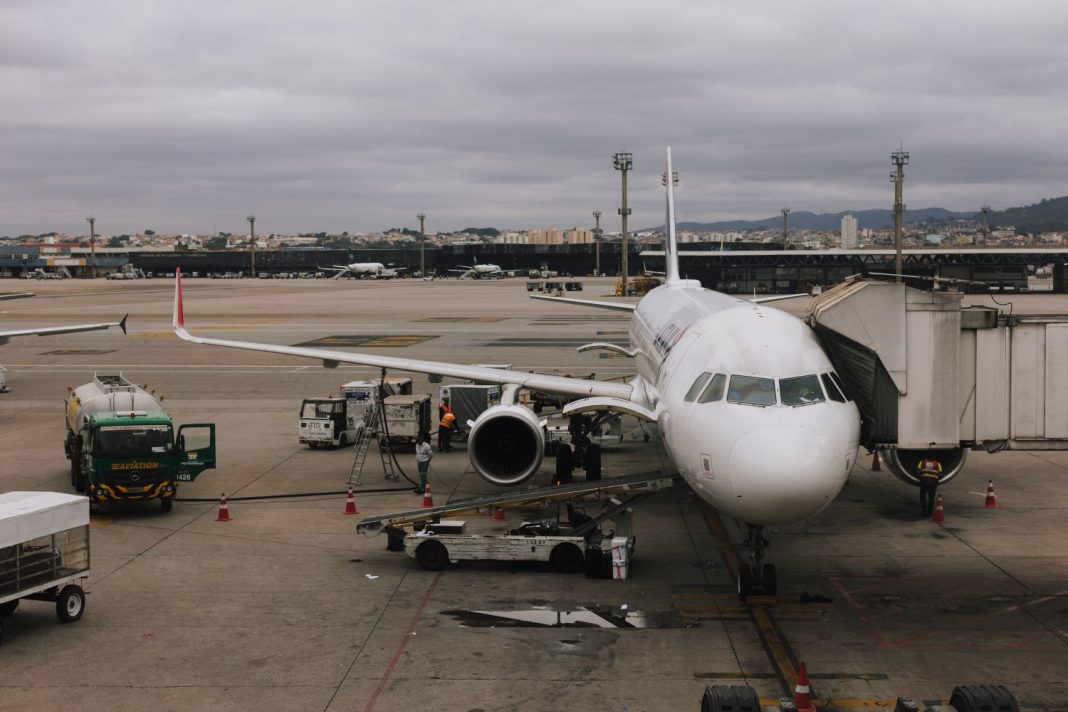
{"x": 364, "y": 270}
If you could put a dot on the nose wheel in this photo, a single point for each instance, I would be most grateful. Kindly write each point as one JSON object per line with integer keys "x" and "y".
{"x": 757, "y": 578}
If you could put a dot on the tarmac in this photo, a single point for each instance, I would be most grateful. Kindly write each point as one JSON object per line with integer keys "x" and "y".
{"x": 287, "y": 608}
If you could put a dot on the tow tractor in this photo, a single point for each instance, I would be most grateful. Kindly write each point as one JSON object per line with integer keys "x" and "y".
{"x": 575, "y": 539}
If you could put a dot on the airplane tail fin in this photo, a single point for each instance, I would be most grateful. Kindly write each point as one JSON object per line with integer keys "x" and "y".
{"x": 671, "y": 243}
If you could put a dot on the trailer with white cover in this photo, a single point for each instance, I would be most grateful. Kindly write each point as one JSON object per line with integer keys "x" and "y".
{"x": 44, "y": 552}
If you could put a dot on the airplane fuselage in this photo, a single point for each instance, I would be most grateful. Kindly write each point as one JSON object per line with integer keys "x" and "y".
{"x": 774, "y": 439}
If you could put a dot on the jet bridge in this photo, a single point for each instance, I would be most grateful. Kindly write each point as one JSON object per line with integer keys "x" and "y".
{"x": 931, "y": 376}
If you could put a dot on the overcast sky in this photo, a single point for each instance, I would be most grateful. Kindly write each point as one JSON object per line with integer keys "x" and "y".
{"x": 330, "y": 115}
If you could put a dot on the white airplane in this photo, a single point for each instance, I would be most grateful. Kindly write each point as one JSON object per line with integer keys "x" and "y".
{"x": 362, "y": 270}
{"x": 744, "y": 396}
{"x": 483, "y": 271}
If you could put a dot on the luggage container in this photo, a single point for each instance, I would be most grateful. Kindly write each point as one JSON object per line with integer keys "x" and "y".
{"x": 44, "y": 552}
{"x": 468, "y": 400}
{"x": 406, "y": 417}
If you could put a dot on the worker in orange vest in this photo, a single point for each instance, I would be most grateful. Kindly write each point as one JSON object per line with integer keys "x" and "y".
{"x": 930, "y": 473}
{"x": 445, "y": 427}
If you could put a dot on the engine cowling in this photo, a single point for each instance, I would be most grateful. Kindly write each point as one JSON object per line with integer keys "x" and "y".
{"x": 506, "y": 444}
{"x": 903, "y": 463}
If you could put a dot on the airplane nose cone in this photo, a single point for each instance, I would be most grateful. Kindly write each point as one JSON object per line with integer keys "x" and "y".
{"x": 783, "y": 474}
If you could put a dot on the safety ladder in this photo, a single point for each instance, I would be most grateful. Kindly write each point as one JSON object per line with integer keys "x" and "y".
{"x": 368, "y": 434}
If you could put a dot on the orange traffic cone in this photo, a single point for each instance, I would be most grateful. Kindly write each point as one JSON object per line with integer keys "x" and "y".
{"x": 802, "y": 694}
{"x": 224, "y": 511}
{"x": 498, "y": 516}
{"x": 991, "y": 497}
{"x": 350, "y": 503}
{"x": 428, "y": 499}
{"x": 876, "y": 463}
{"x": 939, "y": 515}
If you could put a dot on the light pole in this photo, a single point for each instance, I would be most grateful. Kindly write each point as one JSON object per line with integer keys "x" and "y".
{"x": 252, "y": 241}
{"x": 422, "y": 243}
{"x": 597, "y": 244}
{"x": 624, "y": 162}
{"x": 785, "y": 226}
{"x": 92, "y": 246}
{"x": 900, "y": 159}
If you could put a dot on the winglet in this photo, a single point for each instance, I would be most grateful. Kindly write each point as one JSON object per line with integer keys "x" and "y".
{"x": 179, "y": 315}
{"x": 671, "y": 243}
{"x": 122, "y": 323}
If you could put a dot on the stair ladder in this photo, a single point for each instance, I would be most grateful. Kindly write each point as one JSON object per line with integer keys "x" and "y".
{"x": 368, "y": 434}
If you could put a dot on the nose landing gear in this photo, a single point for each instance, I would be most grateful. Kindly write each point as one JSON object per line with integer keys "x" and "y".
{"x": 757, "y": 578}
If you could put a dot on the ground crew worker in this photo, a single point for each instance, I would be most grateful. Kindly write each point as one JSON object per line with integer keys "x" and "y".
{"x": 423, "y": 455}
{"x": 930, "y": 472}
{"x": 444, "y": 408}
{"x": 445, "y": 426}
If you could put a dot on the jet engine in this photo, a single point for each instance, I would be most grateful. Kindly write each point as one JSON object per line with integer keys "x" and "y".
{"x": 506, "y": 444}
{"x": 903, "y": 463}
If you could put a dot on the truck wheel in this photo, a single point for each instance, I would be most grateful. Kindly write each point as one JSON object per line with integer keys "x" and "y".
{"x": 8, "y": 609}
{"x": 738, "y": 698}
{"x": 166, "y": 503}
{"x": 343, "y": 441}
{"x": 70, "y": 605}
{"x": 993, "y": 698}
{"x": 432, "y": 555}
{"x": 567, "y": 558}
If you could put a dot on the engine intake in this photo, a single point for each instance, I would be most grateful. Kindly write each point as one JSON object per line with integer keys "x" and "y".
{"x": 506, "y": 444}
{"x": 903, "y": 463}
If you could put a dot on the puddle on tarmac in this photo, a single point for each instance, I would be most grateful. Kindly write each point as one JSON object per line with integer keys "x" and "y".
{"x": 573, "y": 617}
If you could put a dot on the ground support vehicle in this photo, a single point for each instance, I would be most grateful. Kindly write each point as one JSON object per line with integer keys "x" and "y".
{"x": 964, "y": 698}
{"x": 330, "y": 422}
{"x": 44, "y": 552}
{"x": 122, "y": 444}
{"x": 600, "y": 544}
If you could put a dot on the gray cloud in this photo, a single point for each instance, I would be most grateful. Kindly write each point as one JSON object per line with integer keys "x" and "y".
{"x": 325, "y": 115}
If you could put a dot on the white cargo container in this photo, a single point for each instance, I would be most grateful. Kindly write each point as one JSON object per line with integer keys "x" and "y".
{"x": 44, "y": 551}
{"x": 407, "y": 416}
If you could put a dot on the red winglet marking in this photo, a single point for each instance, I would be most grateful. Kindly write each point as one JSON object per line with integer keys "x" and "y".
{"x": 180, "y": 313}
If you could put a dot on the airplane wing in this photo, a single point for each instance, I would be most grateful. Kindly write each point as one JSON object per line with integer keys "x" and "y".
{"x": 616, "y": 306}
{"x": 330, "y": 358}
{"x": 5, "y": 335}
{"x": 16, "y": 295}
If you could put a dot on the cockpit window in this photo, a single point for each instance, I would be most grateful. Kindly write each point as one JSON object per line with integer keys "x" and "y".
{"x": 833, "y": 391}
{"x": 714, "y": 390}
{"x": 751, "y": 390}
{"x": 697, "y": 386}
{"x": 841, "y": 386}
{"x": 801, "y": 390}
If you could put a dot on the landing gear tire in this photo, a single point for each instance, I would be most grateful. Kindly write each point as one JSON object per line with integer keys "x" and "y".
{"x": 745, "y": 581}
{"x": 730, "y": 698}
{"x": 769, "y": 583}
{"x": 567, "y": 559}
{"x": 70, "y": 604}
{"x": 432, "y": 555}
{"x": 973, "y": 698}
{"x": 166, "y": 503}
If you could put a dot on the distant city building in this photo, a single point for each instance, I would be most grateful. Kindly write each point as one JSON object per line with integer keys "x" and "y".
{"x": 578, "y": 236}
{"x": 849, "y": 232}
{"x": 546, "y": 236}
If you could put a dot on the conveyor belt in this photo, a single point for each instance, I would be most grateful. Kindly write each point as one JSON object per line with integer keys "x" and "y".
{"x": 647, "y": 482}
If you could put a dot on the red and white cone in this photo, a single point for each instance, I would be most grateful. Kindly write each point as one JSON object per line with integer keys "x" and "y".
{"x": 802, "y": 693}
{"x": 991, "y": 496}
{"x": 876, "y": 463}
{"x": 224, "y": 511}
{"x": 498, "y": 516}
{"x": 939, "y": 515}
{"x": 428, "y": 499}
{"x": 350, "y": 503}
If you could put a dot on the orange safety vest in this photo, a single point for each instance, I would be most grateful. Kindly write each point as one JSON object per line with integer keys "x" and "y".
{"x": 929, "y": 469}
{"x": 447, "y": 420}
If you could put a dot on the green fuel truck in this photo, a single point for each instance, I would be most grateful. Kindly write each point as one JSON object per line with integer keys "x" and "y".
{"x": 122, "y": 444}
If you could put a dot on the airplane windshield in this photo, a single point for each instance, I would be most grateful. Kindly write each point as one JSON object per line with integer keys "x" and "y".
{"x": 751, "y": 390}
{"x": 802, "y": 390}
{"x": 833, "y": 391}
{"x": 714, "y": 391}
{"x": 132, "y": 441}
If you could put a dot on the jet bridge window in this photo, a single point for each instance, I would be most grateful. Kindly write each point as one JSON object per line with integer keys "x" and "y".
{"x": 697, "y": 387}
{"x": 714, "y": 390}
{"x": 802, "y": 390}
{"x": 751, "y": 390}
{"x": 833, "y": 391}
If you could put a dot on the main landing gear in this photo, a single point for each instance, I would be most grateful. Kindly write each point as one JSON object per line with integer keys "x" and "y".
{"x": 756, "y": 578}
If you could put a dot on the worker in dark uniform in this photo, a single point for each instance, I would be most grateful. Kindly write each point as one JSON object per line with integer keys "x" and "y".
{"x": 445, "y": 427}
{"x": 930, "y": 471}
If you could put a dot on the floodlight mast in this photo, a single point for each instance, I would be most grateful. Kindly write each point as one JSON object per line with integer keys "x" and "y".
{"x": 92, "y": 246}
{"x": 422, "y": 244}
{"x": 597, "y": 244}
{"x": 785, "y": 227}
{"x": 623, "y": 162}
{"x": 900, "y": 159}
{"x": 252, "y": 242}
